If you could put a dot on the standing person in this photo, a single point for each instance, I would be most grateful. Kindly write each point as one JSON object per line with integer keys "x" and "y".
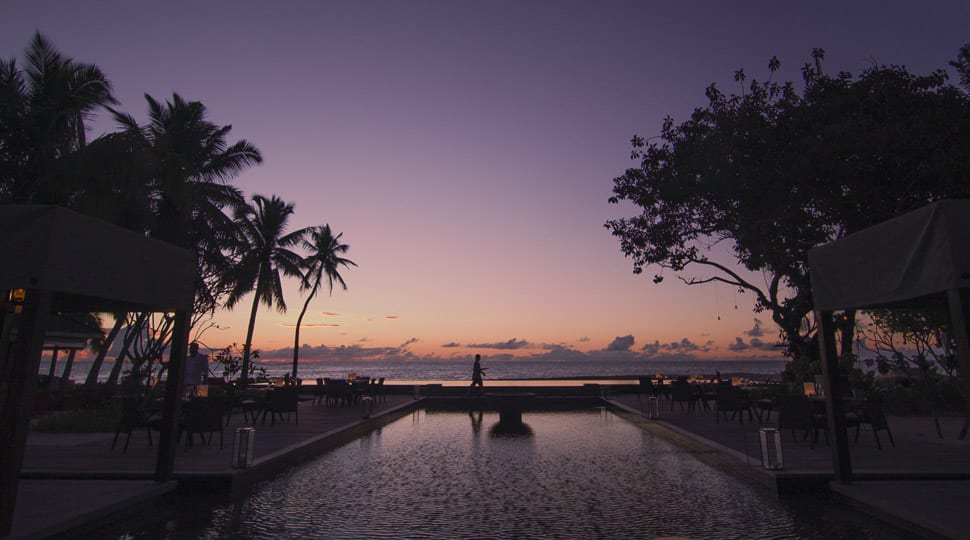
{"x": 196, "y": 366}
{"x": 477, "y": 373}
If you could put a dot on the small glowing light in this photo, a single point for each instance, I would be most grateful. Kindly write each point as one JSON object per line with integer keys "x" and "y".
{"x": 16, "y": 295}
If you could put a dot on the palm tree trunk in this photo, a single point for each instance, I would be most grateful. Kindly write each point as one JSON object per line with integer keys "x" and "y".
{"x": 296, "y": 338}
{"x": 133, "y": 329}
{"x": 244, "y": 376}
{"x": 92, "y": 380}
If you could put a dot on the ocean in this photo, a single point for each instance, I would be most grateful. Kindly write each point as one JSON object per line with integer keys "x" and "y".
{"x": 451, "y": 371}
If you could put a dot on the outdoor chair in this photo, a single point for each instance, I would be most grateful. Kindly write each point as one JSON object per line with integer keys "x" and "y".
{"x": 681, "y": 392}
{"x": 134, "y": 416}
{"x": 375, "y": 389}
{"x": 795, "y": 413}
{"x": 320, "y": 392}
{"x": 873, "y": 416}
{"x": 731, "y": 399}
{"x": 379, "y": 391}
{"x": 203, "y": 415}
{"x": 338, "y": 391}
{"x": 645, "y": 390}
{"x": 281, "y": 401}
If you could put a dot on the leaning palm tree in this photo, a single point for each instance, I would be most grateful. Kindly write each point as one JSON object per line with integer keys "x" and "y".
{"x": 266, "y": 256}
{"x": 323, "y": 262}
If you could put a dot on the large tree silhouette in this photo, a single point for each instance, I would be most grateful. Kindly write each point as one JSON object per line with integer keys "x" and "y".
{"x": 773, "y": 172}
{"x": 43, "y": 109}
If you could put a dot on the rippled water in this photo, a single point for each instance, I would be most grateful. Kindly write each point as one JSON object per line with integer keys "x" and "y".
{"x": 586, "y": 474}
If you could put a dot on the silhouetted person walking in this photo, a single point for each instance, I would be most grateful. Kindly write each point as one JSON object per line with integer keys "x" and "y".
{"x": 477, "y": 373}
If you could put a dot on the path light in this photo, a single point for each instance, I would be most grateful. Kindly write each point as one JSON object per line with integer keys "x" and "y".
{"x": 366, "y": 406}
{"x": 242, "y": 447}
{"x": 771, "y": 457}
{"x": 653, "y": 407}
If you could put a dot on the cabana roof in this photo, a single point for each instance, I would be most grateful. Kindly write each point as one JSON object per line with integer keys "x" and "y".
{"x": 912, "y": 259}
{"x": 91, "y": 265}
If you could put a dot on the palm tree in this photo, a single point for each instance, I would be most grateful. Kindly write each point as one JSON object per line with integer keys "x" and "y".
{"x": 187, "y": 164}
{"x": 42, "y": 113}
{"x": 324, "y": 261}
{"x": 267, "y": 255}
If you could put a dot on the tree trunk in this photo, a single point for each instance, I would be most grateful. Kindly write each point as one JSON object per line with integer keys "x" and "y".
{"x": 50, "y": 376}
{"x": 92, "y": 379}
{"x": 133, "y": 329}
{"x": 244, "y": 376}
{"x": 846, "y": 329}
{"x": 68, "y": 365}
{"x": 296, "y": 334}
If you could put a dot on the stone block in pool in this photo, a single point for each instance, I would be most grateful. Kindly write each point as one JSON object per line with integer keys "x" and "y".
{"x": 510, "y": 405}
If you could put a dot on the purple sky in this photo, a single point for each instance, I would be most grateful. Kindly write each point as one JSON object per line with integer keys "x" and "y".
{"x": 467, "y": 149}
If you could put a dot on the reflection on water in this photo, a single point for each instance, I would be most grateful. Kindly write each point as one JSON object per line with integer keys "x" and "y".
{"x": 585, "y": 474}
{"x": 506, "y": 428}
{"x": 476, "y": 418}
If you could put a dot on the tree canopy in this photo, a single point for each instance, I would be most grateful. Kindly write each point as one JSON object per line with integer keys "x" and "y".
{"x": 774, "y": 171}
{"x": 170, "y": 179}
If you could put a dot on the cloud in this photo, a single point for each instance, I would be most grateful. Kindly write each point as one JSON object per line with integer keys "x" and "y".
{"x": 513, "y": 350}
{"x": 561, "y": 352}
{"x": 684, "y": 345}
{"x": 511, "y": 344}
{"x": 584, "y": 339}
{"x": 621, "y": 343}
{"x": 756, "y": 331}
{"x": 343, "y": 353}
{"x": 675, "y": 350}
{"x": 651, "y": 349}
{"x": 763, "y": 346}
{"x": 310, "y": 325}
{"x": 754, "y": 344}
{"x": 738, "y": 345}
{"x": 330, "y": 314}
{"x": 392, "y": 317}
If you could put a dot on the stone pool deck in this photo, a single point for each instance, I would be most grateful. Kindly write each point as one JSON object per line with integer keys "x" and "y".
{"x": 921, "y": 485}
{"x": 70, "y": 481}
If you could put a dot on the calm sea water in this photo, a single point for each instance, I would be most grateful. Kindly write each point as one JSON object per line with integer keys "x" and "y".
{"x": 431, "y": 475}
{"x": 448, "y": 370}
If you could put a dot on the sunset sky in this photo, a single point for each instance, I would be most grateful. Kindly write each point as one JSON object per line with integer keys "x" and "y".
{"x": 466, "y": 150}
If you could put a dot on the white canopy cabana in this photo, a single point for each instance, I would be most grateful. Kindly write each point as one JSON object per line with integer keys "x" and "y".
{"x": 918, "y": 259}
{"x": 912, "y": 259}
{"x": 68, "y": 262}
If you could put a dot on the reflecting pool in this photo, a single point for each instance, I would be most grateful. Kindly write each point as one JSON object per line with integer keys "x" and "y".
{"x": 577, "y": 474}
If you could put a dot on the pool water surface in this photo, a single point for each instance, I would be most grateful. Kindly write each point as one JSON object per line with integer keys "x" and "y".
{"x": 577, "y": 474}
